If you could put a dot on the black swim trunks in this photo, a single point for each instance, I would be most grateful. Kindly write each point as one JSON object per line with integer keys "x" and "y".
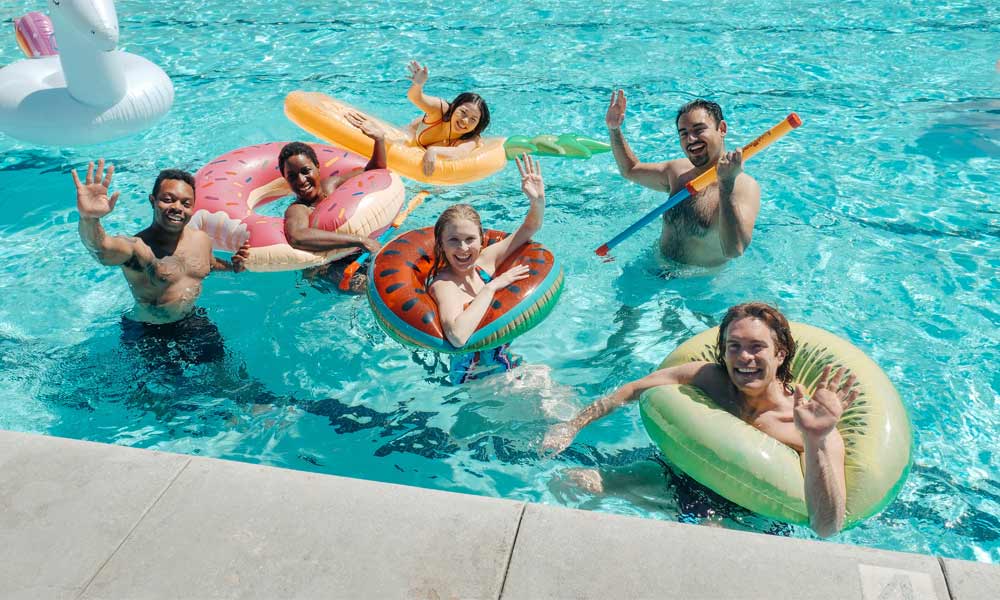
{"x": 192, "y": 340}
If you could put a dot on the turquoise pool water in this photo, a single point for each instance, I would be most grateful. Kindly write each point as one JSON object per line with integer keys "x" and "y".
{"x": 880, "y": 222}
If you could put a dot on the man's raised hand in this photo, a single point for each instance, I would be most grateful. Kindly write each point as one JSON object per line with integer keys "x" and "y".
{"x": 92, "y": 196}
{"x": 616, "y": 110}
{"x": 730, "y": 166}
{"x": 818, "y": 416}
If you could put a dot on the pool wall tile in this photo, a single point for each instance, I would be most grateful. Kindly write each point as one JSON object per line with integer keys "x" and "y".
{"x": 66, "y": 506}
{"x": 971, "y": 580}
{"x": 227, "y": 529}
{"x": 563, "y": 553}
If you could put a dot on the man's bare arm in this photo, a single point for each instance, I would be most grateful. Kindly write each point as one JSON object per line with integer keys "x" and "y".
{"x": 739, "y": 204}
{"x": 561, "y": 435}
{"x": 823, "y": 449}
{"x": 825, "y": 488}
{"x": 108, "y": 250}
{"x": 652, "y": 175}
{"x": 93, "y": 203}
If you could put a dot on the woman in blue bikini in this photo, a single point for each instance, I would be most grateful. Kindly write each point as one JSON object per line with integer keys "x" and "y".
{"x": 465, "y": 277}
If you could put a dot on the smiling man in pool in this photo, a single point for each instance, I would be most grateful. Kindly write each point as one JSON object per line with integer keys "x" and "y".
{"x": 715, "y": 224}
{"x": 164, "y": 264}
{"x": 751, "y": 378}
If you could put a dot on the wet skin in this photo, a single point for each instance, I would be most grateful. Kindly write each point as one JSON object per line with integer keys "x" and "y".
{"x": 716, "y": 223}
{"x": 303, "y": 177}
{"x": 170, "y": 261}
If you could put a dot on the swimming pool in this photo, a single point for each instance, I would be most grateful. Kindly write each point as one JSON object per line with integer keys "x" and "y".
{"x": 879, "y": 222}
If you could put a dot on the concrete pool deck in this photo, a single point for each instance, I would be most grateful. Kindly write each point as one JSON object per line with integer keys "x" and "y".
{"x": 87, "y": 520}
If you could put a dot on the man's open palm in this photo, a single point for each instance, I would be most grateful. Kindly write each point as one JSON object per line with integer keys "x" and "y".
{"x": 92, "y": 195}
{"x": 616, "y": 110}
{"x": 819, "y": 415}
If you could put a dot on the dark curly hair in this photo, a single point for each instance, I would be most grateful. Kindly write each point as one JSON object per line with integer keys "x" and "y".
{"x": 294, "y": 149}
{"x": 775, "y": 321}
{"x": 177, "y": 174}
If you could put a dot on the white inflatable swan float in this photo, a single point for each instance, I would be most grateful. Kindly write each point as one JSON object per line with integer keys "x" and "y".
{"x": 90, "y": 92}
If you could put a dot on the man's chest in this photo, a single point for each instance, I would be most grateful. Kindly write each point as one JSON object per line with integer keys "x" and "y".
{"x": 697, "y": 214}
{"x": 781, "y": 426}
{"x": 172, "y": 268}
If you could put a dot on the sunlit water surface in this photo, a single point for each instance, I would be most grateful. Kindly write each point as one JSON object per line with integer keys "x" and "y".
{"x": 879, "y": 222}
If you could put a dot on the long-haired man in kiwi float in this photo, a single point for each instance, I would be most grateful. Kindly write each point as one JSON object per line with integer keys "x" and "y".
{"x": 751, "y": 378}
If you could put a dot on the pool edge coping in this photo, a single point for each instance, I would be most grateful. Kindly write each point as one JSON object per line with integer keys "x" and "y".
{"x": 527, "y": 532}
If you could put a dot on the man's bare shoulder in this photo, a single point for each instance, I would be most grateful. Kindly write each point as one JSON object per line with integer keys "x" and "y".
{"x": 747, "y": 180}
{"x": 677, "y": 165}
{"x": 197, "y": 239}
{"x": 709, "y": 373}
{"x": 678, "y": 172}
{"x": 670, "y": 168}
{"x": 714, "y": 381}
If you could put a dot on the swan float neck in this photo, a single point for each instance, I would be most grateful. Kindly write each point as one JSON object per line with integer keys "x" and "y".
{"x": 87, "y": 33}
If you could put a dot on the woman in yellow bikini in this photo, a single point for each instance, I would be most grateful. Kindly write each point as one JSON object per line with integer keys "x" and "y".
{"x": 448, "y": 130}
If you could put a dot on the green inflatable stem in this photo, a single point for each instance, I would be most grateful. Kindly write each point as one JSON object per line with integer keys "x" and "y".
{"x": 567, "y": 145}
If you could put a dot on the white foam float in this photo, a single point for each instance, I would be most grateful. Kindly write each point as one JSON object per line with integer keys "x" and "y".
{"x": 90, "y": 92}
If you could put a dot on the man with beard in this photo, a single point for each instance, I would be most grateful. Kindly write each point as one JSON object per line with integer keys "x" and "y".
{"x": 164, "y": 264}
{"x": 715, "y": 224}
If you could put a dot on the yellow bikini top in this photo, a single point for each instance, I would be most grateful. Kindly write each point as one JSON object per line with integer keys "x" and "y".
{"x": 423, "y": 127}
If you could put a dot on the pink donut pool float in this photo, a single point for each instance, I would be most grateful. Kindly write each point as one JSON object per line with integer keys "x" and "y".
{"x": 229, "y": 189}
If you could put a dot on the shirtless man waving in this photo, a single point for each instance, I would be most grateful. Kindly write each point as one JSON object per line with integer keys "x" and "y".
{"x": 716, "y": 224}
{"x": 751, "y": 377}
{"x": 165, "y": 263}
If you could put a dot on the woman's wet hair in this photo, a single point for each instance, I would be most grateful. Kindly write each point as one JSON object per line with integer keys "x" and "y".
{"x": 775, "y": 321}
{"x": 294, "y": 149}
{"x": 172, "y": 174}
{"x": 484, "y": 111}
{"x": 451, "y": 214}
